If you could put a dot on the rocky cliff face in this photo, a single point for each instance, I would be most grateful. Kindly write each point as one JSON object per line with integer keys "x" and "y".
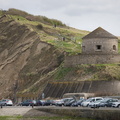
{"x": 25, "y": 60}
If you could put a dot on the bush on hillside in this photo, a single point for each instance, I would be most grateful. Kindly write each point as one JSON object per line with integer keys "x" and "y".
{"x": 13, "y": 11}
{"x": 39, "y": 26}
{"x": 30, "y": 17}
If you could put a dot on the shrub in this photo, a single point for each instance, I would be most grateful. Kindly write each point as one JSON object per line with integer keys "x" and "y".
{"x": 39, "y": 26}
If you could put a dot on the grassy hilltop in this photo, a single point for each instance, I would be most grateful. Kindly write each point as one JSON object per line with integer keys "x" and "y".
{"x": 48, "y": 33}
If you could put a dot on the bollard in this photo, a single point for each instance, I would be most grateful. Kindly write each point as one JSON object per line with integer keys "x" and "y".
{"x": 1, "y": 106}
{"x": 32, "y": 105}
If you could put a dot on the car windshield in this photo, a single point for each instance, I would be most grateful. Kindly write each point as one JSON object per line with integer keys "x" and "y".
{"x": 88, "y": 100}
{"x": 67, "y": 99}
{"x": 98, "y": 101}
{"x": 3, "y": 100}
{"x": 80, "y": 100}
{"x": 105, "y": 100}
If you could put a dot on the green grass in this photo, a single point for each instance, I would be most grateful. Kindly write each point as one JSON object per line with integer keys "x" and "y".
{"x": 40, "y": 118}
{"x": 39, "y": 18}
{"x": 72, "y": 43}
{"x": 10, "y": 117}
{"x": 62, "y": 71}
{"x": 118, "y": 47}
{"x": 0, "y": 13}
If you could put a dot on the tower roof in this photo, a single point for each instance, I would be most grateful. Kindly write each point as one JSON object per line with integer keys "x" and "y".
{"x": 100, "y": 33}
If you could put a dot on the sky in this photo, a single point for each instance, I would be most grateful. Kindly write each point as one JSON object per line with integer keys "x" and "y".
{"x": 80, "y": 14}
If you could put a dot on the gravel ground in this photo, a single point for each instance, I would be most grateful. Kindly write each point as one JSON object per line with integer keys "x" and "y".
{"x": 14, "y": 111}
{"x": 23, "y": 111}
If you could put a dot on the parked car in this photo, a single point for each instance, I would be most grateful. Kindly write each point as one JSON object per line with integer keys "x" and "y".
{"x": 6, "y": 102}
{"x": 95, "y": 104}
{"x": 40, "y": 102}
{"x": 69, "y": 103}
{"x": 54, "y": 102}
{"x": 60, "y": 102}
{"x": 78, "y": 103}
{"x": 88, "y": 101}
{"x": 116, "y": 104}
{"x": 48, "y": 102}
{"x": 107, "y": 102}
{"x": 63, "y": 101}
{"x": 28, "y": 103}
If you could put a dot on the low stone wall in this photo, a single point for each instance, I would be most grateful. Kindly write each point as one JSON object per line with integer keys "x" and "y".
{"x": 91, "y": 59}
{"x": 97, "y": 114}
{"x": 58, "y": 89}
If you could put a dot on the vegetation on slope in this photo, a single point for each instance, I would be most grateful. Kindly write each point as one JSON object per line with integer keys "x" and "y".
{"x": 88, "y": 72}
{"x": 50, "y": 30}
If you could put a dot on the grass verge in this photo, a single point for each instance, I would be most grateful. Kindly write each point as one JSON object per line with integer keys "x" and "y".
{"x": 40, "y": 118}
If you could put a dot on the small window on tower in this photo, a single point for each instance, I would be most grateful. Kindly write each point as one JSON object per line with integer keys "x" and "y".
{"x": 114, "y": 47}
{"x": 98, "y": 47}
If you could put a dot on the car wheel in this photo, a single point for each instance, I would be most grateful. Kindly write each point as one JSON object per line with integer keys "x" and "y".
{"x": 5, "y": 104}
{"x": 118, "y": 106}
{"x": 105, "y": 106}
{"x": 87, "y": 105}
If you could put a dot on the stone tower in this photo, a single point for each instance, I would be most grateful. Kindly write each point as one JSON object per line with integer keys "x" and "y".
{"x": 99, "y": 42}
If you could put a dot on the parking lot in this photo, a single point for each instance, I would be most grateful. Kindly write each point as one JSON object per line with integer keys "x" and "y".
{"x": 22, "y": 108}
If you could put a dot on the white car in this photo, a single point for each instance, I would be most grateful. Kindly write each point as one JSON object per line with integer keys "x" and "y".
{"x": 116, "y": 104}
{"x": 95, "y": 104}
{"x": 88, "y": 101}
{"x": 59, "y": 103}
{"x": 6, "y": 102}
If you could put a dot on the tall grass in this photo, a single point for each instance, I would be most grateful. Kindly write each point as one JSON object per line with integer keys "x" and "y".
{"x": 30, "y": 17}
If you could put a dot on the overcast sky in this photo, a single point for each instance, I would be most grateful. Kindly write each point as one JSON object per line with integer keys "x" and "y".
{"x": 80, "y": 14}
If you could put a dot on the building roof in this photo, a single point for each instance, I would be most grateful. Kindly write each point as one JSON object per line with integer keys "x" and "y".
{"x": 99, "y": 33}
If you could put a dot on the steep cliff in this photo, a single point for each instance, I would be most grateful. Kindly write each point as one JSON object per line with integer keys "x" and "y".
{"x": 25, "y": 60}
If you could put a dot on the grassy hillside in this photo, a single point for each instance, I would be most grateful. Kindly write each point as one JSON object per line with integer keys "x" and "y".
{"x": 88, "y": 72}
{"x": 61, "y": 36}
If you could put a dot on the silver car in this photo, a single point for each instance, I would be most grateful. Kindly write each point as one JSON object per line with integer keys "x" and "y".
{"x": 88, "y": 101}
{"x": 116, "y": 104}
{"x": 6, "y": 102}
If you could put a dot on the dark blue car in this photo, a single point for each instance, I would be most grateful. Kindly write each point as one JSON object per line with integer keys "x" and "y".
{"x": 40, "y": 102}
{"x": 28, "y": 103}
{"x": 78, "y": 103}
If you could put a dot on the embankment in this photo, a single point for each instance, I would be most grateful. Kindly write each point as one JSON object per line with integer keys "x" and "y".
{"x": 97, "y": 114}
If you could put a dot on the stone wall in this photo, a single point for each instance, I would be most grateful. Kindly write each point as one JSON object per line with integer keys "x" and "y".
{"x": 58, "y": 89}
{"x": 96, "y": 114}
{"x": 91, "y": 59}
{"x": 106, "y": 46}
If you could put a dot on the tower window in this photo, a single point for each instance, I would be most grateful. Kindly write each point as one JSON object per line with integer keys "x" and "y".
{"x": 114, "y": 47}
{"x": 98, "y": 47}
